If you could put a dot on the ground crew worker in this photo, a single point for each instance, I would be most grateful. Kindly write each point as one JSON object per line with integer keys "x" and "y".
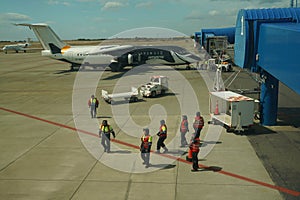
{"x": 104, "y": 133}
{"x": 93, "y": 104}
{"x": 184, "y": 128}
{"x": 198, "y": 124}
{"x": 145, "y": 148}
{"x": 194, "y": 148}
{"x": 162, "y": 134}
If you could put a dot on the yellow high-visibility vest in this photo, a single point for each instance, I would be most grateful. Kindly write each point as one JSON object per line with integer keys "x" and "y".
{"x": 106, "y": 129}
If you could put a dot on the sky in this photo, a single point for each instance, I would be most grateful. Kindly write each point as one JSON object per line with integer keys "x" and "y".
{"x": 98, "y": 19}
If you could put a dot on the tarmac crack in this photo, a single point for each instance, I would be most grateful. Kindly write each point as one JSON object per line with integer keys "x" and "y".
{"x": 29, "y": 150}
{"x": 176, "y": 180}
{"x": 128, "y": 188}
{"x": 84, "y": 179}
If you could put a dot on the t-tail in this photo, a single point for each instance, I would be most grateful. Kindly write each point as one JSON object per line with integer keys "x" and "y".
{"x": 47, "y": 37}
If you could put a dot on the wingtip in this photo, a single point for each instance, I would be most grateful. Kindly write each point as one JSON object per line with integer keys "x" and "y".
{"x": 27, "y": 24}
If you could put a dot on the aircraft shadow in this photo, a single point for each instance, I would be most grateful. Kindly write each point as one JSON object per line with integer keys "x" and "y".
{"x": 81, "y": 69}
{"x": 65, "y": 71}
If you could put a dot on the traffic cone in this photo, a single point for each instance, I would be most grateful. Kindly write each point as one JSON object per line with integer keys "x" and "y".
{"x": 217, "y": 109}
{"x": 189, "y": 156}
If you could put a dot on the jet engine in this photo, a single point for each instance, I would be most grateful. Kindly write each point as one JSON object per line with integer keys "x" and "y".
{"x": 130, "y": 58}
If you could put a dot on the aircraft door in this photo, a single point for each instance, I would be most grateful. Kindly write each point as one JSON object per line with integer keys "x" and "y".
{"x": 137, "y": 58}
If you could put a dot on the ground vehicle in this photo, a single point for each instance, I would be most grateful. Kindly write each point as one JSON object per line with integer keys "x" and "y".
{"x": 234, "y": 111}
{"x": 224, "y": 66}
{"x": 132, "y": 96}
{"x": 211, "y": 64}
{"x": 157, "y": 85}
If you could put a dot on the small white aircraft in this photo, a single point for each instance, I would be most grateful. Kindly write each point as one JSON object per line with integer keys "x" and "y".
{"x": 115, "y": 56}
{"x": 17, "y": 47}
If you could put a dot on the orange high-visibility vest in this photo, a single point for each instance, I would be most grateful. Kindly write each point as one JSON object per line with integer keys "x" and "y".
{"x": 184, "y": 127}
{"x": 199, "y": 122}
{"x": 195, "y": 146}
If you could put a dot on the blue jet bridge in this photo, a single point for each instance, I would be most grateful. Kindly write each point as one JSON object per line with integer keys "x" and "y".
{"x": 267, "y": 41}
{"x": 210, "y": 32}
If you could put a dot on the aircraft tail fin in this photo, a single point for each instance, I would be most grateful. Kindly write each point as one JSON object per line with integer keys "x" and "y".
{"x": 54, "y": 49}
{"x": 45, "y": 35}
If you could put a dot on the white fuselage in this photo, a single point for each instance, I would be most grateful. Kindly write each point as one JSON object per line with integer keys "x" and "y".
{"x": 96, "y": 55}
{"x": 93, "y": 55}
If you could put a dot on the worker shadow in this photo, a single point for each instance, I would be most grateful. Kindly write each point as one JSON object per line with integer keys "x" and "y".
{"x": 120, "y": 151}
{"x": 103, "y": 117}
{"x": 211, "y": 168}
{"x": 163, "y": 166}
{"x": 177, "y": 152}
{"x": 205, "y": 143}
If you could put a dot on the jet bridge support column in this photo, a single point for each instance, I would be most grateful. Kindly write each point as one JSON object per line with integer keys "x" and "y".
{"x": 268, "y": 99}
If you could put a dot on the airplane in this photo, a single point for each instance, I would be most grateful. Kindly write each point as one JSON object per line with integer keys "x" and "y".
{"x": 115, "y": 56}
{"x": 17, "y": 47}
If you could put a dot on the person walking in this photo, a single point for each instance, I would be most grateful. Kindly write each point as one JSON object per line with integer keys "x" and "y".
{"x": 194, "y": 148}
{"x": 145, "y": 148}
{"x": 162, "y": 134}
{"x": 104, "y": 133}
{"x": 184, "y": 128}
{"x": 198, "y": 124}
{"x": 93, "y": 104}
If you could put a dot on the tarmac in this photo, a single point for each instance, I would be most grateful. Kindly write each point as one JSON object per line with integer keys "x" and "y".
{"x": 50, "y": 147}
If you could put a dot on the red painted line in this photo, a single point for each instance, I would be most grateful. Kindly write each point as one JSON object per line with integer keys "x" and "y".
{"x": 282, "y": 189}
